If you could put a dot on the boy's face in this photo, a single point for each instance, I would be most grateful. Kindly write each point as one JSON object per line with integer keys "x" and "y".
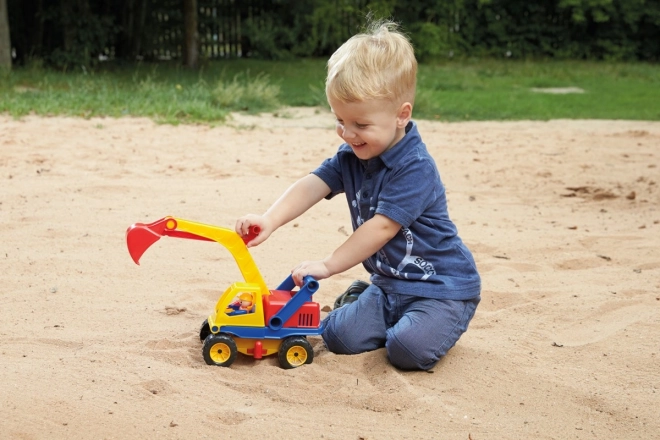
{"x": 370, "y": 127}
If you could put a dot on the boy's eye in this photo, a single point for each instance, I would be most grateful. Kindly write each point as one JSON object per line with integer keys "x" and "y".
{"x": 361, "y": 125}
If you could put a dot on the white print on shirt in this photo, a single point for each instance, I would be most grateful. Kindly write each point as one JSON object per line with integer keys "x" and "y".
{"x": 419, "y": 262}
{"x": 356, "y": 205}
{"x": 426, "y": 267}
{"x": 382, "y": 258}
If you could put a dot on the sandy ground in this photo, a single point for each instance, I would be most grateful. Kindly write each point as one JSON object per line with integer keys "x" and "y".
{"x": 563, "y": 218}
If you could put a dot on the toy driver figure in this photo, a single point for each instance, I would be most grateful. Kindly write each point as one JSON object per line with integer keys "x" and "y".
{"x": 243, "y": 304}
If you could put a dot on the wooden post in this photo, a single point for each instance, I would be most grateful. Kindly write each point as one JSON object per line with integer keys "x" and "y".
{"x": 5, "y": 41}
{"x": 191, "y": 46}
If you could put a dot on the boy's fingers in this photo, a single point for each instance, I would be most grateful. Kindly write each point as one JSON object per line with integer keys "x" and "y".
{"x": 254, "y": 242}
{"x": 297, "y": 276}
{"x": 240, "y": 227}
{"x": 243, "y": 227}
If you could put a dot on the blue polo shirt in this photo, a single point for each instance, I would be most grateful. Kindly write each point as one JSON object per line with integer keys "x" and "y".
{"x": 426, "y": 257}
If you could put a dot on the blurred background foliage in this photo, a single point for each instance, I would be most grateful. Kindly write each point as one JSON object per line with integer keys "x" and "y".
{"x": 65, "y": 33}
{"x": 192, "y": 61}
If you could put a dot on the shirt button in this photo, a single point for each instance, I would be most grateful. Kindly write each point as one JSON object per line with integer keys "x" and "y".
{"x": 366, "y": 193}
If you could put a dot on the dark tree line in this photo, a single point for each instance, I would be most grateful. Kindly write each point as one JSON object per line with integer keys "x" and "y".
{"x": 63, "y": 33}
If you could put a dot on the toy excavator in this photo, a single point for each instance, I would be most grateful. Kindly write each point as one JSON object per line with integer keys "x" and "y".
{"x": 248, "y": 318}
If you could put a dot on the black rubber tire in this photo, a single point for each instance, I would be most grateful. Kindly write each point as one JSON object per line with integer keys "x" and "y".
{"x": 219, "y": 350}
{"x": 294, "y": 352}
{"x": 204, "y": 330}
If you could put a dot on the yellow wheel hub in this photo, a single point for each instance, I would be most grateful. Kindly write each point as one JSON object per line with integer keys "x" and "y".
{"x": 296, "y": 356}
{"x": 220, "y": 352}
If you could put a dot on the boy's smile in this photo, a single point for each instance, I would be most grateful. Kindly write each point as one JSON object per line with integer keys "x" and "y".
{"x": 370, "y": 127}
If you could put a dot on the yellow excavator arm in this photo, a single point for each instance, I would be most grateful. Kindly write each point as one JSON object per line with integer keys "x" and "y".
{"x": 140, "y": 236}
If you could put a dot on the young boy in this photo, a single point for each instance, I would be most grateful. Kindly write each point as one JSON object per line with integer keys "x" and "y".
{"x": 424, "y": 283}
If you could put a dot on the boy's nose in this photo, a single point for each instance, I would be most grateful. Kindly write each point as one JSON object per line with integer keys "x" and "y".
{"x": 347, "y": 133}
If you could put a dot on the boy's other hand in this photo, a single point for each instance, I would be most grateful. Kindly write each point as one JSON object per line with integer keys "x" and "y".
{"x": 317, "y": 269}
{"x": 244, "y": 224}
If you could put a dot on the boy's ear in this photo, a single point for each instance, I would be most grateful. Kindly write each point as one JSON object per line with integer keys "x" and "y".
{"x": 404, "y": 115}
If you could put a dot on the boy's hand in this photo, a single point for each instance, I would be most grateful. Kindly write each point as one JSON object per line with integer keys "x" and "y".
{"x": 244, "y": 223}
{"x": 317, "y": 269}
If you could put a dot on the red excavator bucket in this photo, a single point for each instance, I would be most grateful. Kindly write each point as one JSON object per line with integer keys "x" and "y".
{"x": 140, "y": 236}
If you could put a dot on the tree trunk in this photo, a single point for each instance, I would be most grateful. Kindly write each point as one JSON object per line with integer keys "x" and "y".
{"x": 68, "y": 28}
{"x": 138, "y": 28}
{"x": 38, "y": 30}
{"x": 191, "y": 46}
{"x": 5, "y": 42}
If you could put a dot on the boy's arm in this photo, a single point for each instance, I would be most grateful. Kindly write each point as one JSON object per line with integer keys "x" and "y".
{"x": 363, "y": 243}
{"x": 297, "y": 199}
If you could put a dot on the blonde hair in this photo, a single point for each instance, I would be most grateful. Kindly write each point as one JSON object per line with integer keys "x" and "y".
{"x": 377, "y": 64}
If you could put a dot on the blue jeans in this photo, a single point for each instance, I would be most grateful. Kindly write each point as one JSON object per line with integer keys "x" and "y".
{"x": 415, "y": 331}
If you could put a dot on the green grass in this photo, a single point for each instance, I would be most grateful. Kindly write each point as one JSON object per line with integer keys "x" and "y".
{"x": 453, "y": 91}
{"x": 498, "y": 90}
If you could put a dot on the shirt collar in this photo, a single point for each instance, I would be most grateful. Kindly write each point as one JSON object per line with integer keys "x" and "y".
{"x": 392, "y": 156}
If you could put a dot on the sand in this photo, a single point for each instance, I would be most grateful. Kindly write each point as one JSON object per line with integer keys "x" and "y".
{"x": 563, "y": 218}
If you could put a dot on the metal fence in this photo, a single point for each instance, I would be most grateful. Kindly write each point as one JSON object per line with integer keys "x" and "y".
{"x": 227, "y": 27}
{"x": 219, "y": 25}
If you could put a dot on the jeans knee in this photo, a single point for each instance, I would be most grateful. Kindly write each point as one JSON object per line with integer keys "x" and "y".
{"x": 407, "y": 358}
{"x": 334, "y": 342}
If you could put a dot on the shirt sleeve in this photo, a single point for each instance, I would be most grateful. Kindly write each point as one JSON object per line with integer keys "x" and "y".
{"x": 409, "y": 190}
{"x": 330, "y": 172}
